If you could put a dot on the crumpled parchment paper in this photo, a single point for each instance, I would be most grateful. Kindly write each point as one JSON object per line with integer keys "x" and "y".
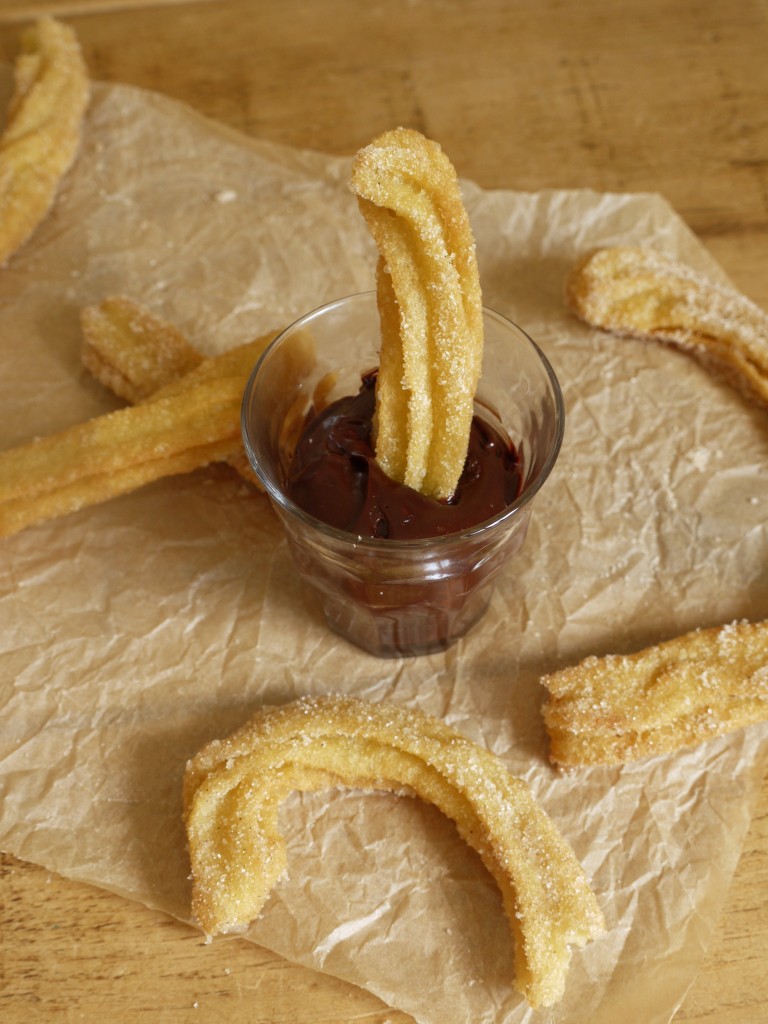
{"x": 135, "y": 631}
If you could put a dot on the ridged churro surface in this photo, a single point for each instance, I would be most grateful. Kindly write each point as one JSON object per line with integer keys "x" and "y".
{"x": 233, "y": 789}
{"x": 132, "y": 351}
{"x": 431, "y": 309}
{"x": 643, "y": 293}
{"x": 189, "y": 422}
{"x": 676, "y": 694}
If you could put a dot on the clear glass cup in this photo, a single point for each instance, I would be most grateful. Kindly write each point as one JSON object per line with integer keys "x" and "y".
{"x": 397, "y": 597}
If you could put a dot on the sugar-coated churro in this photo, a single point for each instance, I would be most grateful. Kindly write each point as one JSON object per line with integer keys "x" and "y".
{"x": 233, "y": 789}
{"x": 42, "y": 134}
{"x": 132, "y": 351}
{"x": 191, "y": 422}
{"x": 431, "y": 309}
{"x": 645, "y": 294}
{"x": 117, "y": 452}
{"x": 676, "y": 694}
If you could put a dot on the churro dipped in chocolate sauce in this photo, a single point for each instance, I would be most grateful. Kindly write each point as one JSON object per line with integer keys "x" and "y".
{"x": 334, "y": 476}
{"x": 407, "y": 457}
{"x": 430, "y": 306}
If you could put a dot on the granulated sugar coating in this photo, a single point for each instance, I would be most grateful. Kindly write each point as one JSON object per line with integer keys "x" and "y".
{"x": 233, "y": 789}
{"x": 132, "y": 351}
{"x": 621, "y": 708}
{"x": 645, "y": 294}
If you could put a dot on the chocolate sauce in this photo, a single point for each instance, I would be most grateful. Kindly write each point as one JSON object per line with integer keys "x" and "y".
{"x": 335, "y": 477}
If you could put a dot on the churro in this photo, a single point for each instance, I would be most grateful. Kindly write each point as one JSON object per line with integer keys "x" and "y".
{"x": 135, "y": 353}
{"x": 42, "y": 134}
{"x": 190, "y": 423}
{"x": 642, "y": 293}
{"x": 115, "y": 453}
{"x": 132, "y": 351}
{"x": 233, "y": 789}
{"x": 431, "y": 309}
{"x": 677, "y": 694}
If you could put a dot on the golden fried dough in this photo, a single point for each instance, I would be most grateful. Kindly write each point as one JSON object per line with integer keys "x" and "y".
{"x": 134, "y": 353}
{"x": 431, "y": 309}
{"x": 190, "y": 423}
{"x": 391, "y": 414}
{"x": 126, "y": 346}
{"x": 677, "y": 694}
{"x": 116, "y": 453}
{"x": 131, "y": 351}
{"x": 233, "y": 789}
{"x": 42, "y": 134}
{"x": 645, "y": 294}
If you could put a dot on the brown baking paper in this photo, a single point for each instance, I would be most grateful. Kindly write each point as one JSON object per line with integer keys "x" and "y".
{"x": 134, "y": 632}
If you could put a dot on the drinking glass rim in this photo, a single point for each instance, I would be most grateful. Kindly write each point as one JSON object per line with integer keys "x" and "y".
{"x": 387, "y": 543}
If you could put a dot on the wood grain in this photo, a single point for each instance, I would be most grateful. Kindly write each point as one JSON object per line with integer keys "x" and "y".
{"x": 643, "y": 95}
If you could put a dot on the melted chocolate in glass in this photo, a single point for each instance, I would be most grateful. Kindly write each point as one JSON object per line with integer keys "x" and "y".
{"x": 335, "y": 477}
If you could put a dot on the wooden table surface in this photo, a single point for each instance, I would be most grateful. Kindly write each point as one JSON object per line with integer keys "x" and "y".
{"x": 616, "y": 95}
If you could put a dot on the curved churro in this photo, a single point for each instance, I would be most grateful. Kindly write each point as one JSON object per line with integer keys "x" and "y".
{"x": 677, "y": 694}
{"x": 42, "y": 134}
{"x": 233, "y": 788}
{"x": 430, "y": 361}
{"x": 645, "y": 294}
